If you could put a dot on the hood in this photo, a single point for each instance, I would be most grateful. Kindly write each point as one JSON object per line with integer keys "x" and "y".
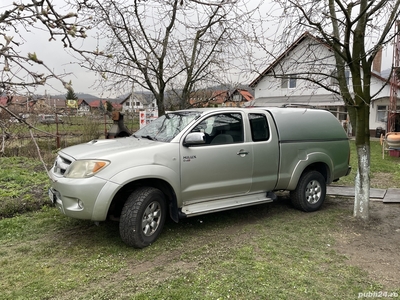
{"x": 103, "y": 149}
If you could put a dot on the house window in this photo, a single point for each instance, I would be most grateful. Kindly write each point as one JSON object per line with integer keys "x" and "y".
{"x": 381, "y": 113}
{"x": 342, "y": 114}
{"x": 292, "y": 82}
{"x": 288, "y": 82}
{"x": 284, "y": 82}
{"x": 127, "y": 104}
{"x": 137, "y": 103}
{"x": 397, "y": 109}
{"x": 339, "y": 112}
{"x": 347, "y": 74}
{"x": 237, "y": 98}
{"x": 334, "y": 80}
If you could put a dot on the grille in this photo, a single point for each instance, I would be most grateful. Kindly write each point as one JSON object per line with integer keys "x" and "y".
{"x": 61, "y": 165}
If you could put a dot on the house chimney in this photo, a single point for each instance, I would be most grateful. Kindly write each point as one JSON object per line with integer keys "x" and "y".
{"x": 377, "y": 63}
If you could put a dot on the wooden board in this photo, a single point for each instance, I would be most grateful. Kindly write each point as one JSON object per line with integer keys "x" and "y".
{"x": 349, "y": 191}
{"x": 392, "y": 196}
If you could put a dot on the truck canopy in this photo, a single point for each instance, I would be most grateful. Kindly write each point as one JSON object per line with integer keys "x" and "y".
{"x": 295, "y": 124}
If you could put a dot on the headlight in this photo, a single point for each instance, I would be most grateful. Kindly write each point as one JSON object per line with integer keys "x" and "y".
{"x": 85, "y": 168}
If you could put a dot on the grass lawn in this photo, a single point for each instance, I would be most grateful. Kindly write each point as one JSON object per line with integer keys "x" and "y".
{"x": 385, "y": 172}
{"x": 270, "y": 251}
{"x": 265, "y": 252}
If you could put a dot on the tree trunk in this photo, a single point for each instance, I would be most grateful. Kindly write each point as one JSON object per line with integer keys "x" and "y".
{"x": 161, "y": 108}
{"x": 362, "y": 183}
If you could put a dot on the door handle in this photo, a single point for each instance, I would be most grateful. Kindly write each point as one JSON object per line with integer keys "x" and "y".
{"x": 242, "y": 153}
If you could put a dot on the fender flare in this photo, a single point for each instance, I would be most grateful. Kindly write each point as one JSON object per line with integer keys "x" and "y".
{"x": 311, "y": 159}
{"x": 127, "y": 176}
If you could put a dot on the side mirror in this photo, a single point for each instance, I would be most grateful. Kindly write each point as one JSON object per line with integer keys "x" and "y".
{"x": 194, "y": 138}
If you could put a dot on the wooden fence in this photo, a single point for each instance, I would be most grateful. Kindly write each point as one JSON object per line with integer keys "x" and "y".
{"x": 21, "y": 139}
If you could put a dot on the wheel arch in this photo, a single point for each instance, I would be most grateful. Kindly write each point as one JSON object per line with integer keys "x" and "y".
{"x": 321, "y": 166}
{"x": 121, "y": 196}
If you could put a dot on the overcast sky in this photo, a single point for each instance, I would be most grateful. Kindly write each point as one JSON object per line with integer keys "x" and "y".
{"x": 56, "y": 57}
{"x": 60, "y": 61}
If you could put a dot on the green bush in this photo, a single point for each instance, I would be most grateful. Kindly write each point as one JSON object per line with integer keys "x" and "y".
{"x": 89, "y": 129}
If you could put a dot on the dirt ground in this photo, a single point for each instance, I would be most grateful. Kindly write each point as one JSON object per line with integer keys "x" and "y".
{"x": 373, "y": 246}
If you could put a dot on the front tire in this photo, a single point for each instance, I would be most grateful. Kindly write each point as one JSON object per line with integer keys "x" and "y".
{"x": 310, "y": 192}
{"x": 142, "y": 217}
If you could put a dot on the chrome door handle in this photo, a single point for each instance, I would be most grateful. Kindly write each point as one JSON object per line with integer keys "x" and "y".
{"x": 242, "y": 153}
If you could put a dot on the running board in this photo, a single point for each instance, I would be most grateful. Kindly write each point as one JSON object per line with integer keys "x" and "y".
{"x": 226, "y": 204}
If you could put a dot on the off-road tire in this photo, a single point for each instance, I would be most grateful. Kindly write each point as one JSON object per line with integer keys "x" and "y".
{"x": 142, "y": 217}
{"x": 310, "y": 192}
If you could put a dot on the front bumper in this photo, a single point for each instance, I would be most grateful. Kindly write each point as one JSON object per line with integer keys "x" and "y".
{"x": 77, "y": 198}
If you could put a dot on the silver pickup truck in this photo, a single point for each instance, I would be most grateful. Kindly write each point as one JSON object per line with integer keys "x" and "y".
{"x": 198, "y": 161}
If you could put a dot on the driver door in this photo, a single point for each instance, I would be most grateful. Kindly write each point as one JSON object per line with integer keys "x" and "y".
{"x": 222, "y": 166}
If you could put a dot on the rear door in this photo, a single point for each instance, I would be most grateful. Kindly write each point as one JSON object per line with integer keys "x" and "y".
{"x": 223, "y": 165}
{"x": 265, "y": 151}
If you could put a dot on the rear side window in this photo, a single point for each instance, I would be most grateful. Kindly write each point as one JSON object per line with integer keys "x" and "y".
{"x": 259, "y": 127}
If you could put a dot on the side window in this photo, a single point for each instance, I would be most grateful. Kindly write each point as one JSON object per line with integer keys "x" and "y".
{"x": 334, "y": 75}
{"x": 284, "y": 82}
{"x": 288, "y": 82}
{"x": 292, "y": 82}
{"x": 259, "y": 127}
{"x": 381, "y": 113}
{"x": 226, "y": 128}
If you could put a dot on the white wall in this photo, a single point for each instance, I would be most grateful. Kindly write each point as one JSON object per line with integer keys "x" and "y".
{"x": 135, "y": 104}
{"x": 301, "y": 60}
{"x": 382, "y": 99}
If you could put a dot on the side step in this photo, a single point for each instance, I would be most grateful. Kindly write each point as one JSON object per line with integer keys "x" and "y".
{"x": 227, "y": 203}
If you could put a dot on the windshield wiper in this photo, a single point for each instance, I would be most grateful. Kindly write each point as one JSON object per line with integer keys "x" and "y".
{"x": 144, "y": 137}
{"x": 148, "y": 137}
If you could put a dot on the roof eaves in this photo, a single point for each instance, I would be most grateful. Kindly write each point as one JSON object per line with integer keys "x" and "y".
{"x": 284, "y": 54}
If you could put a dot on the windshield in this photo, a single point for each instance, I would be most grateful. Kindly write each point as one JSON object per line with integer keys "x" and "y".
{"x": 166, "y": 127}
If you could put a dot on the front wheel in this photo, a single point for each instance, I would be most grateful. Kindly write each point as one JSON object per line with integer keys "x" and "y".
{"x": 310, "y": 192}
{"x": 142, "y": 217}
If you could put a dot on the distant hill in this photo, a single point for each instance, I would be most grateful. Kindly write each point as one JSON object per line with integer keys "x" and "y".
{"x": 90, "y": 98}
{"x": 86, "y": 97}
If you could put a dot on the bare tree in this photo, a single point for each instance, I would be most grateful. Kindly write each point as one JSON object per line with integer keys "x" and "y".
{"x": 160, "y": 45}
{"x": 20, "y": 72}
{"x": 354, "y": 31}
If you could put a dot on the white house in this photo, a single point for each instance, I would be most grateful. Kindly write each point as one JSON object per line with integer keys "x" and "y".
{"x": 83, "y": 107}
{"x": 284, "y": 82}
{"x": 137, "y": 102}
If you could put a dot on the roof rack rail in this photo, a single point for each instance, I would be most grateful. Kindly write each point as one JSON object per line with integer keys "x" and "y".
{"x": 298, "y": 105}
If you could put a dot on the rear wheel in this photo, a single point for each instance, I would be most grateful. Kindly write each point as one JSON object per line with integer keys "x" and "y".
{"x": 310, "y": 192}
{"x": 142, "y": 217}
